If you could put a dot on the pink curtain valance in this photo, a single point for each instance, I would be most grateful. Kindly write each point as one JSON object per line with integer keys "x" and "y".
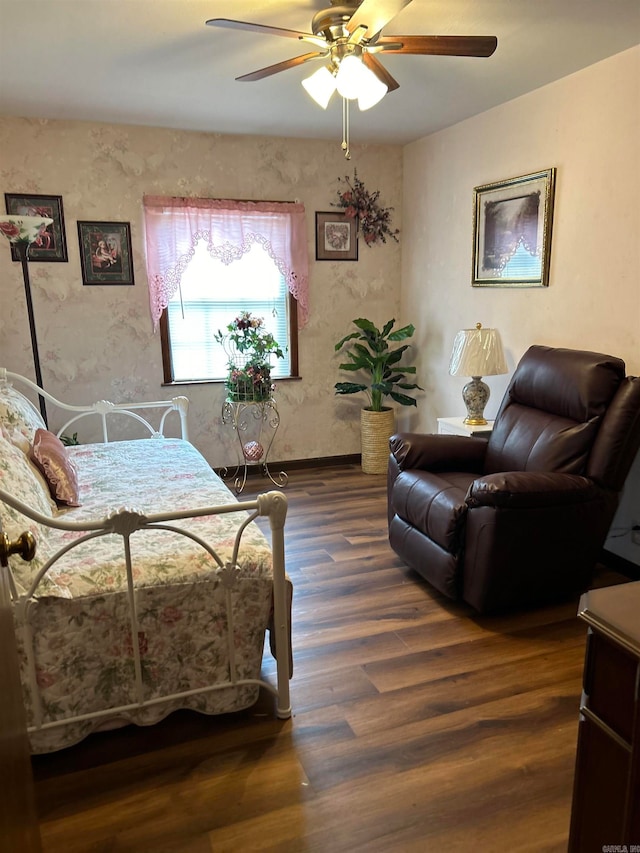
{"x": 173, "y": 226}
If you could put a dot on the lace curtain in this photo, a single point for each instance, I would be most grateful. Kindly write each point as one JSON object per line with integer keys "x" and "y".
{"x": 173, "y": 226}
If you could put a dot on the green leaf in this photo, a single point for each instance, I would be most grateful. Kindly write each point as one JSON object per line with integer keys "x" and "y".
{"x": 356, "y": 365}
{"x": 350, "y": 337}
{"x": 366, "y": 326}
{"x": 396, "y": 356}
{"x": 387, "y": 328}
{"x": 403, "y": 333}
{"x": 349, "y": 387}
{"x": 403, "y": 399}
{"x": 363, "y": 352}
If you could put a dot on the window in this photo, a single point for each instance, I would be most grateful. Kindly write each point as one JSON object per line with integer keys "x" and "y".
{"x": 210, "y": 259}
{"x": 211, "y": 295}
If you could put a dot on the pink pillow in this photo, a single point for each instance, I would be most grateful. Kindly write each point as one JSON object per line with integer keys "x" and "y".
{"x": 50, "y": 455}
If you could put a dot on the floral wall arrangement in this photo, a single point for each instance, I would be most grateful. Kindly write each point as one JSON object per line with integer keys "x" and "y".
{"x": 374, "y": 221}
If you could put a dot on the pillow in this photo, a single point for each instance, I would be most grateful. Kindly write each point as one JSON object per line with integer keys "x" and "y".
{"x": 18, "y": 440}
{"x": 50, "y": 455}
{"x": 17, "y": 477}
{"x": 17, "y": 413}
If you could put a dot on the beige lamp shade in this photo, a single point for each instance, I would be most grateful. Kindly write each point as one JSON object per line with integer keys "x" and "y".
{"x": 477, "y": 352}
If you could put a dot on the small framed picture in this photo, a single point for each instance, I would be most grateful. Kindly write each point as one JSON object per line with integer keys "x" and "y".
{"x": 512, "y": 231}
{"x": 105, "y": 252}
{"x": 51, "y": 244}
{"x": 336, "y": 237}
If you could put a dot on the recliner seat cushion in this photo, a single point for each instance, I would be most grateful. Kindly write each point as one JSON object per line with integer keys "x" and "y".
{"x": 433, "y": 503}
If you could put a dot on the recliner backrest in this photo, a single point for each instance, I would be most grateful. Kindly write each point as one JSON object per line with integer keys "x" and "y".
{"x": 552, "y": 411}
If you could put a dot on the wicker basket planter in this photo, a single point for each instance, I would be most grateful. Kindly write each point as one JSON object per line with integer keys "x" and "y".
{"x": 376, "y": 428}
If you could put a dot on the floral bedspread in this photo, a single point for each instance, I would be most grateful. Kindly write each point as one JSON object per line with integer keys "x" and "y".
{"x": 78, "y": 622}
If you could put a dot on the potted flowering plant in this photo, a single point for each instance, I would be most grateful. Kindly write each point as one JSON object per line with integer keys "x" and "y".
{"x": 249, "y": 348}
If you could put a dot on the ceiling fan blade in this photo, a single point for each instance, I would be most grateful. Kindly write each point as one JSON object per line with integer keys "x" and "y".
{"x": 374, "y": 64}
{"x": 371, "y": 16}
{"x": 279, "y": 66}
{"x": 256, "y": 28}
{"x": 439, "y": 45}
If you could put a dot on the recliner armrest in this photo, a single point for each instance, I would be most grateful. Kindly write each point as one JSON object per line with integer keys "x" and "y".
{"x": 430, "y": 452}
{"x": 521, "y": 489}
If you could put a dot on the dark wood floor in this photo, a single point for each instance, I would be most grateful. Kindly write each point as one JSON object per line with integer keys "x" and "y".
{"x": 417, "y": 726}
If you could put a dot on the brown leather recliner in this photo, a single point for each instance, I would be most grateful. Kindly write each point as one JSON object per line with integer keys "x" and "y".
{"x": 519, "y": 518}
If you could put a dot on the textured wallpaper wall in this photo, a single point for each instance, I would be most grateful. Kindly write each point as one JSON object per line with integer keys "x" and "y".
{"x": 96, "y": 342}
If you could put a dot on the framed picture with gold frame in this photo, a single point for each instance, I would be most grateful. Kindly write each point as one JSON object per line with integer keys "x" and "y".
{"x": 512, "y": 231}
{"x": 336, "y": 236}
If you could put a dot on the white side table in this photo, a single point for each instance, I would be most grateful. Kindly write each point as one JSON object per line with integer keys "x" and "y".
{"x": 457, "y": 426}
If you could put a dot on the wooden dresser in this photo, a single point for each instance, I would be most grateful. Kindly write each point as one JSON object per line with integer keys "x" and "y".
{"x": 606, "y": 792}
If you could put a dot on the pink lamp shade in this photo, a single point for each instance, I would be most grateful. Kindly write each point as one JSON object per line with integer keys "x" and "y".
{"x": 23, "y": 229}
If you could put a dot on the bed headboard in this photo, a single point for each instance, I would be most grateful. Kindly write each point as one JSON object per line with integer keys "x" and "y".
{"x": 104, "y": 409}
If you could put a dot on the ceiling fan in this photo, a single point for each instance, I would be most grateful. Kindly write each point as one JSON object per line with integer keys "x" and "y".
{"x": 354, "y": 28}
{"x": 348, "y": 35}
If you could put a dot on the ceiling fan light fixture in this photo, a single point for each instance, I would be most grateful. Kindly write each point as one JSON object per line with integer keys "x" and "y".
{"x": 372, "y": 91}
{"x": 350, "y": 77}
{"x": 320, "y": 86}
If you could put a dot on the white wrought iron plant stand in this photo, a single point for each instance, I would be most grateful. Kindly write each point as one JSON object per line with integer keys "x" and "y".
{"x": 264, "y": 417}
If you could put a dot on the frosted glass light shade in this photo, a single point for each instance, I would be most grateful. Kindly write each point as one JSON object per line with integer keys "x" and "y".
{"x": 23, "y": 229}
{"x": 349, "y": 79}
{"x": 321, "y": 86}
{"x": 372, "y": 92}
{"x": 352, "y": 80}
{"x": 477, "y": 352}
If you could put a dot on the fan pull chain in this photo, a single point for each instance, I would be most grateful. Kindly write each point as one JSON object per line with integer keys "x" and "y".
{"x": 345, "y": 128}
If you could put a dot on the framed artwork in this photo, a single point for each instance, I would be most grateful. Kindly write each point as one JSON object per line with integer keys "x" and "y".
{"x": 512, "y": 231}
{"x": 105, "y": 252}
{"x": 51, "y": 245}
{"x": 336, "y": 237}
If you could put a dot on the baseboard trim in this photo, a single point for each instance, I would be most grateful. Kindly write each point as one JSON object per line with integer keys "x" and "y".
{"x": 302, "y": 464}
{"x": 620, "y": 564}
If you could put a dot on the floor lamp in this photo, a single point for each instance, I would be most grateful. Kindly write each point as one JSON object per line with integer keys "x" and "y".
{"x": 21, "y": 232}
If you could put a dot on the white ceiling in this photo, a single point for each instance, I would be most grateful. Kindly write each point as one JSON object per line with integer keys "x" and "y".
{"x": 154, "y": 62}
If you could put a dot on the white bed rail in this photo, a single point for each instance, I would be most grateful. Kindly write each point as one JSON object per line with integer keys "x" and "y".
{"x": 104, "y": 408}
{"x": 125, "y": 522}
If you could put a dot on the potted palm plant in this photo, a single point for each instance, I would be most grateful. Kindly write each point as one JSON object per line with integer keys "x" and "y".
{"x": 370, "y": 353}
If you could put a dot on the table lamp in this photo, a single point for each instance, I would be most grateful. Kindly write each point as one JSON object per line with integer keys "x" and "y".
{"x": 477, "y": 353}
{"x": 22, "y": 231}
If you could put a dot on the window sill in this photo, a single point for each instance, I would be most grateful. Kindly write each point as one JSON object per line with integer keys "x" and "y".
{"x": 176, "y": 382}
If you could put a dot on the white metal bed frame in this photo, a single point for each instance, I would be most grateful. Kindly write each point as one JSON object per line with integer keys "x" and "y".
{"x": 125, "y": 522}
{"x": 104, "y": 408}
